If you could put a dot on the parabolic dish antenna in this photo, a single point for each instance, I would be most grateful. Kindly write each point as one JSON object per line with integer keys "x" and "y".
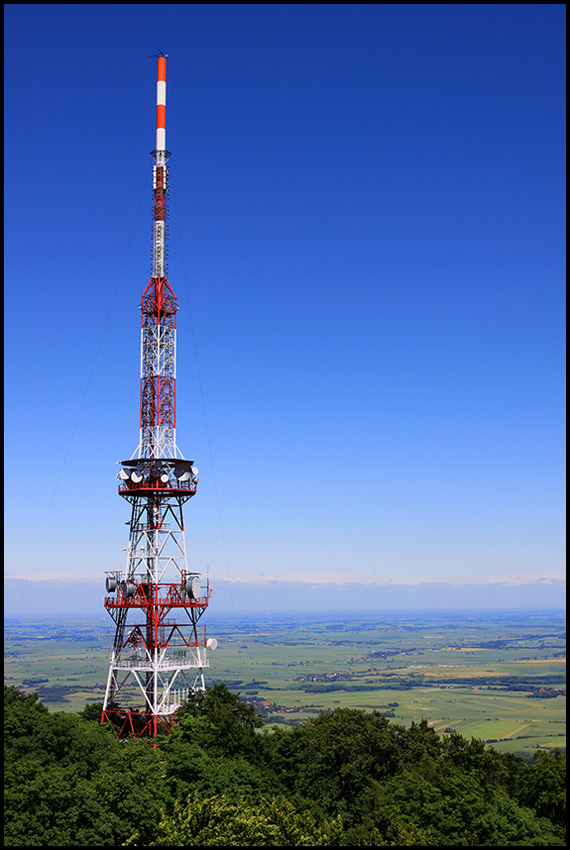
{"x": 193, "y": 586}
{"x": 182, "y": 467}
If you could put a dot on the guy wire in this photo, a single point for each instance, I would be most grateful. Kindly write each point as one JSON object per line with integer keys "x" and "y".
{"x": 83, "y": 399}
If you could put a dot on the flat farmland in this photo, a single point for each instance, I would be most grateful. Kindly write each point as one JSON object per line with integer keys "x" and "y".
{"x": 497, "y": 676}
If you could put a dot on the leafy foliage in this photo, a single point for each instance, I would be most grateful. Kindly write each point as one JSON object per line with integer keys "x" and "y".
{"x": 543, "y": 786}
{"x": 220, "y": 722}
{"x": 217, "y": 821}
{"x": 69, "y": 782}
{"x": 347, "y": 778}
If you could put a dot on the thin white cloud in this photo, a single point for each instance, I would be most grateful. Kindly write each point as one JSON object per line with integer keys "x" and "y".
{"x": 57, "y": 578}
{"x": 327, "y": 579}
{"x": 312, "y": 581}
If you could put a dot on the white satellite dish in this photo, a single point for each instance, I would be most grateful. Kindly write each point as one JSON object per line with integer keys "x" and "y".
{"x": 212, "y": 644}
{"x": 124, "y": 474}
{"x": 194, "y": 470}
{"x": 185, "y": 476}
{"x": 193, "y": 586}
{"x": 129, "y": 588}
{"x": 164, "y": 478}
{"x": 136, "y": 477}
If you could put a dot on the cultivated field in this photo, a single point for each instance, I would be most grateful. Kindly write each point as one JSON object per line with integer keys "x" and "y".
{"x": 496, "y": 676}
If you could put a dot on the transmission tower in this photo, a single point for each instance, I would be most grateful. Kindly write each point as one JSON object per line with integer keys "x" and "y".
{"x": 159, "y": 652}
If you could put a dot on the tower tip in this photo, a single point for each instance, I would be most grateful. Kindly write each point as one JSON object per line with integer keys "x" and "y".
{"x": 161, "y": 103}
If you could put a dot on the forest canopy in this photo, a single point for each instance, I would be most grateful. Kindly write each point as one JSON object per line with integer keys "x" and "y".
{"x": 342, "y": 778}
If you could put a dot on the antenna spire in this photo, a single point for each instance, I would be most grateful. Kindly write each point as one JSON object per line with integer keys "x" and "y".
{"x": 161, "y": 104}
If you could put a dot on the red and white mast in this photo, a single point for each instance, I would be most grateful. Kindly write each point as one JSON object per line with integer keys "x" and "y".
{"x": 158, "y": 311}
{"x": 158, "y": 655}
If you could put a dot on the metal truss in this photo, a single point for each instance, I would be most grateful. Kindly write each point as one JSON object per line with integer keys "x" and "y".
{"x": 159, "y": 654}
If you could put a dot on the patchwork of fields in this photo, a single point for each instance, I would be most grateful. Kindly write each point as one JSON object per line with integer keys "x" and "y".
{"x": 498, "y": 676}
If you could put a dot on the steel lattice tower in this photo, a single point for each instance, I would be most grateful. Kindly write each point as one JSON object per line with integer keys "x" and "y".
{"x": 159, "y": 653}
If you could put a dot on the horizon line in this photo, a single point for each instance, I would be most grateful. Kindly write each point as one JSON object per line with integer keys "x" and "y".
{"x": 264, "y": 581}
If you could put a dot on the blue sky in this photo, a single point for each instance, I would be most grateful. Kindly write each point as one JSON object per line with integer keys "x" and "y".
{"x": 367, "y": 242}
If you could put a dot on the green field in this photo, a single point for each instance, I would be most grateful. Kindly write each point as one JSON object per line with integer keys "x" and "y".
{"x": 495, "y": 676}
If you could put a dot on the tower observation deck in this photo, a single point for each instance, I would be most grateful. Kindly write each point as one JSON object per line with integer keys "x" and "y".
{"x": 159, "y": 652}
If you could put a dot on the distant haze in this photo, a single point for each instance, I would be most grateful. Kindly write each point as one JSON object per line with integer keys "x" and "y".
{"x": 82, "y": 598}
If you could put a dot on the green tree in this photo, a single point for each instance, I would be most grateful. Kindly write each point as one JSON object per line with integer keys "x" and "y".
{"x": 68, "y": 781}
{"x": 226, "y": 724}
{"x": 543, "y": 786}
{"x": 283, "y": 752}
{"x": 24, "y": 716}
{"x": 453, "y": 807}
{"x": 92, "y": 711}
{"x": 417, "y": 741}
{"x": 189, "y": 767}
{"x": 342, "y": 753}
{"x": 216, "y": 821}
{"x": 471, "y": 756}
